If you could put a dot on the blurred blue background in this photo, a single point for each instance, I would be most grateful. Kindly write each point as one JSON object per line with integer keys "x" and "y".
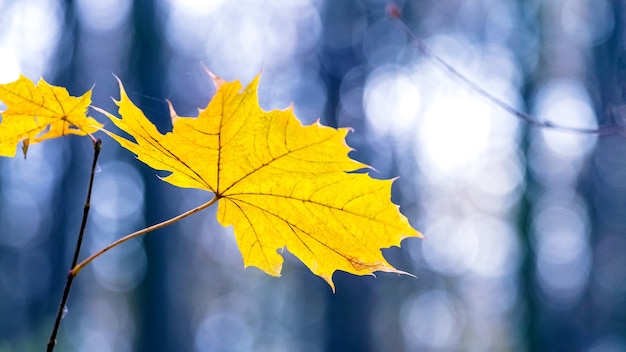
{"x": 525, "y": 227}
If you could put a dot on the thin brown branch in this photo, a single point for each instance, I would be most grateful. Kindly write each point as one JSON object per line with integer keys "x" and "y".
{"x": 97, "y": 146}
{"x": 395, "y": 13}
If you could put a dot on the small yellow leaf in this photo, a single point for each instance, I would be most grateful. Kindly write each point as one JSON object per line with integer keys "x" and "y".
{"x": 279, "y": 184}
{"x": 36, "y": 113}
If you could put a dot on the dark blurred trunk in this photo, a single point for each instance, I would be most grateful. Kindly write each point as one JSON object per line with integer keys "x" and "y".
{"x": 605, "y": 192}
{"x": 529, "y": 325}
{"x": 73, "y": 187}
{"x": 348, "y": 315}
{"x": 146, "y": 75}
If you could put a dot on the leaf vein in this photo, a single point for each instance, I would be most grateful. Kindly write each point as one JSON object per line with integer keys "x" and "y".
{"x": 289, "y": 152}
{"x": 291, "y": 224}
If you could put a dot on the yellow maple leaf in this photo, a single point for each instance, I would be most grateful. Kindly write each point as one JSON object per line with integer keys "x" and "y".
{"x": 36, "y": 113}
{"x": 279, "y": 184}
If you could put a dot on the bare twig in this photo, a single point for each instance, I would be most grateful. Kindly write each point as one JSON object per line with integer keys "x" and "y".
{"x": 395, "y": 13}
{"x": 97, "y": 146}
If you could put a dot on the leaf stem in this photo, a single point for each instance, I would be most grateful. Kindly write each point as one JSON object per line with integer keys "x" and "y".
{"x": 97, "y": 147}
{"x": 81, "y": 265}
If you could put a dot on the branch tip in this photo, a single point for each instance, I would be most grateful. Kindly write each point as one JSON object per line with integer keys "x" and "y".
{"x": 394, "y": 11}
{"x": 421, "y": 46}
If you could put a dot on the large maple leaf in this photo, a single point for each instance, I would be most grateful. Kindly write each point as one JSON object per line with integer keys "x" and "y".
{"x": 280, "y": 184}
{"x": 36, "y": 113}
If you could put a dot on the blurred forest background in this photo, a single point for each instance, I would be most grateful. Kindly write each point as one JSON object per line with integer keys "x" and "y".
{"x": 525, "y": 227}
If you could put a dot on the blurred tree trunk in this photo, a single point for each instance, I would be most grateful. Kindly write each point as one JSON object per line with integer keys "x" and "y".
{"x": 349, "y": 309}
{"x": 146, "y": 74}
